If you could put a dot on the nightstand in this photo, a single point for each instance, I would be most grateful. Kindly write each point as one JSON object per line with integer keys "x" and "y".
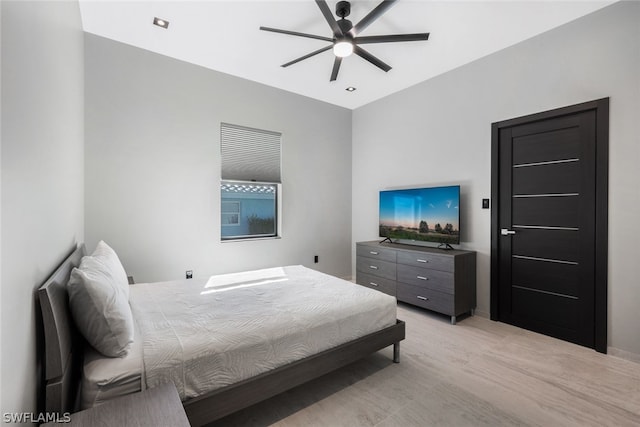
{"x": 154, "y": 407}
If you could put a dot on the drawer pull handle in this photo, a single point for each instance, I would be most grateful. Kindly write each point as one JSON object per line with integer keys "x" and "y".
{"x": 422, "y": 298}
{"x": 373, "y": 284}
{"x": 373, "y": 267}
{"x": 373, "y": 252}
{"x": 422, "y": 278}
{"x": 422, "y": 260}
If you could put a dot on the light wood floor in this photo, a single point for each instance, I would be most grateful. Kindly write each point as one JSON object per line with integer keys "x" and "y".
{"x": 477, "y": 373}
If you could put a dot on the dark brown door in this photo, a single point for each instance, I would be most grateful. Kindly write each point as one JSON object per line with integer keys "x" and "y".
{"x": 546, "y": 233}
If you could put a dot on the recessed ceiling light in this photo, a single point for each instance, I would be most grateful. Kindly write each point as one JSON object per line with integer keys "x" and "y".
{"x": 350, "y": 89}
{"x": 163, "y": 23}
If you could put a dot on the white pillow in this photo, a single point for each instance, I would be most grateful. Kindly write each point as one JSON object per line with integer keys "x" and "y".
{"x": 112, "y": 265}
{"x": 100, "y": 307}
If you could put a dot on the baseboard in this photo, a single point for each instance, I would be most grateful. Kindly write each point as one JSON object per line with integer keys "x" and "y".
{"x": 481, "y": 314}
{"x": 623, "y": 354}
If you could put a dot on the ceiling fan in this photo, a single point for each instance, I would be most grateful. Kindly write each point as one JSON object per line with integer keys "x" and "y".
{"x": 346, "y": 40}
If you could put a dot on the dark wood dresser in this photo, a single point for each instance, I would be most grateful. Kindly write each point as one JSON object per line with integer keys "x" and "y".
{"x": 440, "y": 280}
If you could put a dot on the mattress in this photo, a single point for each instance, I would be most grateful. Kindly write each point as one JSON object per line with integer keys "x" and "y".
{"x": 104, "y": 378}
{"x": 206, "y": 334}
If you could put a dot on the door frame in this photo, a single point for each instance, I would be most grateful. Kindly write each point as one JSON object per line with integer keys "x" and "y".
{"x": 601, "y": 108}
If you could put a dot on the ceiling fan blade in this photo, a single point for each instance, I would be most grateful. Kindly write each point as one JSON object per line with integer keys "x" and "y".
{"x": 309, "y": 55}
{"x": 295, "y": 33}
{"x": 336, "y": 68}
{"x": 367, "y": 56}
{"x": 392, "y": 38}
{"x": 376, "y": 13}
{"x": 324, "y": 8}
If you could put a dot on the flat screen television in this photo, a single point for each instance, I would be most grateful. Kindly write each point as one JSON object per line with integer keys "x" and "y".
{"x": 421, "y": 215}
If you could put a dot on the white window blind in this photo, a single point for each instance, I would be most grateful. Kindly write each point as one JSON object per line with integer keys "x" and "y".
{"x": 249, "y": 154}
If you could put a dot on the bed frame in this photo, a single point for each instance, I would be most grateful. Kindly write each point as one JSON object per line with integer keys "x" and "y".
{"x": 64, "y": 348}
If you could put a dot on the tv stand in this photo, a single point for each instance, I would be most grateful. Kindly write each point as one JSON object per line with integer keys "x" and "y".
{"x": 445, "y": 247}
{"x": 387, "y": 239}
{"x": 428, "y": 277}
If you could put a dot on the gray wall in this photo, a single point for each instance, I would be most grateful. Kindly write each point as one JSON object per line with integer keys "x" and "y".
{"x": 153, "y": 166}
{"x": 439, "y": 132}
{"x": 42, "y": 173}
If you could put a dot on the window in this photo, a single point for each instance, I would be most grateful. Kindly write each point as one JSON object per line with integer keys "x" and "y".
{"x": 249, "y": 209}
{"x": 250, "y": 170}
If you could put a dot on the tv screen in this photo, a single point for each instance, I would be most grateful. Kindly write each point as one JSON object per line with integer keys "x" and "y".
{"x": 421, "y": 214}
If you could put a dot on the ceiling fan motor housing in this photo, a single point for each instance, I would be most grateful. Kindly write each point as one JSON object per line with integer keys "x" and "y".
{"x": 346, "y": 26}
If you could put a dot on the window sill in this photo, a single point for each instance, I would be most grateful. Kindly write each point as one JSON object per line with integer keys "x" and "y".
{"x": 250, "y": 239}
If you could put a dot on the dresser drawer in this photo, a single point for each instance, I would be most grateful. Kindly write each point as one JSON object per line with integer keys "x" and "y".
{"x": 425, "y": 277}
{"x": 375, "y": 267}
{"x": 380, "y": 253}
{"x": 426, "y": 298}
{"x": 381, "y": 284}
{"x": 428, "y": 260}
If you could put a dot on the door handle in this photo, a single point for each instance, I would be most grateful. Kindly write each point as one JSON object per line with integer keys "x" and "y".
{"x": 506, "y": 232}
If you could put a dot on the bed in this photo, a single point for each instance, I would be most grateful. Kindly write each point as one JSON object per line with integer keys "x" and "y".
{"x": 303, "y": 342}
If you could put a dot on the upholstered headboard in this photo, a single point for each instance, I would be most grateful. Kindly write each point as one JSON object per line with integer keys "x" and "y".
{"x": 63, "y": 345}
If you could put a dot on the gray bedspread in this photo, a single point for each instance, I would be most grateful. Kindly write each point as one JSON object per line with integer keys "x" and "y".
{"x": 206, "y": 334}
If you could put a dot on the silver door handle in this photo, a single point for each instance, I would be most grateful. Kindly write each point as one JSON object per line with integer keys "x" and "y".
{"x": 506, "y": 232}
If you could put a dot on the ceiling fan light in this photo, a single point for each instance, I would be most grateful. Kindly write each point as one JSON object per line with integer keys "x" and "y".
{"x": 343, "y": 49}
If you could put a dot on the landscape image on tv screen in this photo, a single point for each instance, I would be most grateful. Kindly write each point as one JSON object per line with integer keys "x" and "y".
{"x": 421, "y": 214}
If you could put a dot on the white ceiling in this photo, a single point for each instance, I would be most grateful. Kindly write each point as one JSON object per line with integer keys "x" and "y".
{"x": 225, "y": 36}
